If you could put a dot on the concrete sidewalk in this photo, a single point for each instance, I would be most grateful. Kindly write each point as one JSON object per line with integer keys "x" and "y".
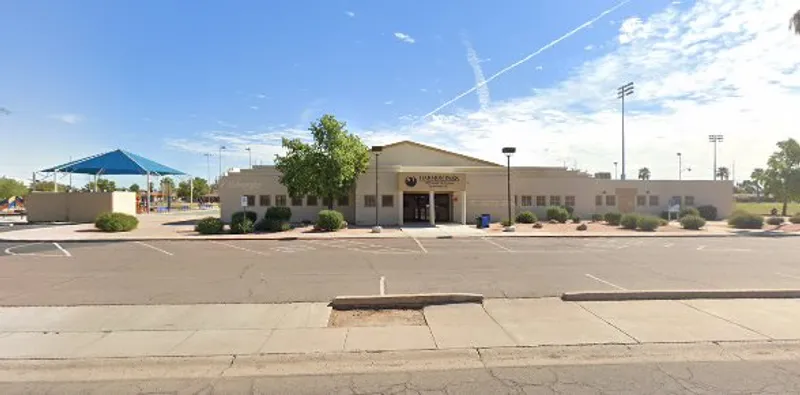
{"x": 81, "y": 332}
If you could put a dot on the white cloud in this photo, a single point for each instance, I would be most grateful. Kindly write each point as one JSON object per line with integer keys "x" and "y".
{"x": 539, "y": 68}
{"x": 388, "y": 102}
{"x": 351, "y": 14}
{"x": 484, "y": 98}
{"x": 261, "y": 96}
{"x": 227, "y": 124}
{"x": 405, "y": 38}
{"x": 254, "y": 108}
{"x": 423, "y": 90}
{"x": 68, "y": 118}
{"x": 588, "y": 47}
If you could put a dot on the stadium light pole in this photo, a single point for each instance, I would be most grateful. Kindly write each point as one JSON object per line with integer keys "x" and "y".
{"x": 622, "y": 91}
{"x": 249, "y": 157}
{"x": 715, "y": 138}
{"x": 508, "y": 151}
{"x": 219, "y": 177}
{"x": 615, "y": 170}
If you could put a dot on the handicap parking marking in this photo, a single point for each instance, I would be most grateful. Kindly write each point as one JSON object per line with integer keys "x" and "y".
{"x": 498, "y": 245}
{"x": 62, "y": 252}
{"x": 361, "y": 246}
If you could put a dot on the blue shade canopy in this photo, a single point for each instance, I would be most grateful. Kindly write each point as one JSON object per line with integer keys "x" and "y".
{"x": 117, "y": 162}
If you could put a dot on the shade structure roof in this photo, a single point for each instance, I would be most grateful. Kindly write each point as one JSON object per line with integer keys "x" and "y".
{"x": 116, "y": 162}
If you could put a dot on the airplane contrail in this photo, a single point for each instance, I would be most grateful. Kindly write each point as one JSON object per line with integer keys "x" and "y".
{"x": 527, "y": 58}
{"x": 480, "y": 80}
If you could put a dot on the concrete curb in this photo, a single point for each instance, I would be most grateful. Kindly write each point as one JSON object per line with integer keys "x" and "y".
{"x": 409, "y": 301}
{"x": 619, "y": 296}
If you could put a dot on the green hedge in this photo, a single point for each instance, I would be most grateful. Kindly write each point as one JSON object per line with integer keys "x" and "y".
{"x": 648, "y": 223}
{"x": 629, "y": 221}
{"x": 775, "y": 220}
{"x": 708, "y": 212}
{"x": 240, "y": 215}
{"x": 688, "y": 211}
{"x": 526, "y": 217}
{"x": 116, "y": 222}
{"x": 559, "y": 214}
{"x": 283, "y": 214}
{"x": 744, "y": 220}
{"x": 795, "y": 219}
{"x": 330, "y": 220}
{"x": 243, "y": 226}
{"x": 613, "y": 218}
{"x": 597, "y": 217}
{"x": 209, "y": 226}
{"x": 693, "y": 222}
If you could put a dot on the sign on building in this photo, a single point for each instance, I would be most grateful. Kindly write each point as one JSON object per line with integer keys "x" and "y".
{"x": 424, "y": 182}
{"x": 244, "y": 201}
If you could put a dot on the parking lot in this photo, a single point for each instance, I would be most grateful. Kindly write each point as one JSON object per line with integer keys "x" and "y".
{"x": 239, "y": 271}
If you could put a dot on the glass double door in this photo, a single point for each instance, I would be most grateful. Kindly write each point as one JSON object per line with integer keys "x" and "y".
{"x": 416, "y": 207}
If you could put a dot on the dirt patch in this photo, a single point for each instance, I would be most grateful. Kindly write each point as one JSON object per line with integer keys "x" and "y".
{"x": 387, "y": 317}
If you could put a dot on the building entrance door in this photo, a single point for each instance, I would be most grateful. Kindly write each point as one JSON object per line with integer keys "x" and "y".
{"x": 442, "y": 207}
{"x": 415, "y": 207}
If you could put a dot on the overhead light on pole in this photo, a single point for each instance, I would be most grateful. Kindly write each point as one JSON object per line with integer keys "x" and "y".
{"x": 622, "y": 91}
{"x": 508, "y": 151}
{"x": 715, "y": 138}
{"x": 376, "y": 149}
{"x": 221, "y": 147}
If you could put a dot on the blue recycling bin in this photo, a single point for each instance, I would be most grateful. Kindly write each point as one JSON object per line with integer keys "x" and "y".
{"x": 486, "y": 219}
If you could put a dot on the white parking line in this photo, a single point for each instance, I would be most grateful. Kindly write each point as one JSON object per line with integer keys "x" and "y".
{"x": 506, "y": 249}
{"x": 605, "y": 282}
{"x": 701, "y": 248}
{"x": 788, "y": 276}
{"x": 383, "y": 285}
{"x": 153, "y": 247}
{"x": 240, "y": 248}
{"x": 9, "y": 251}
{"x": 421, "y": 247}
{"x": 62, "y": 249}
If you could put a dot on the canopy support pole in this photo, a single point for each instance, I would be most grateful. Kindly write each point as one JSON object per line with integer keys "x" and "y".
{"x": 95, "y": 181}
{"x": 55, "y": 181}
{"x": 191, "y": 192}
{"x": 148, "y": 193}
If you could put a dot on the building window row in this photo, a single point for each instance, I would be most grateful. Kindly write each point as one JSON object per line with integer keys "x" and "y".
{"x": 281, "y": 201}
{"x": 542, "y": 200}
{"x": 386, "y": 201}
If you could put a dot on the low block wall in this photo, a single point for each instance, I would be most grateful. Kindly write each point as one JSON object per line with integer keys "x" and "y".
{"x": 77, "y": 207}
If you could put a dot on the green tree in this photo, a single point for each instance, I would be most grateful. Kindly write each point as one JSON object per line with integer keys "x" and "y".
{"x": 644, "y": 173}
{"x": 134, "y": 188}
{"x": 794, "y": 23}
{"x": 723, "y": 173}
{"x": 782, "y": 177}
{"x": 47, "y": 186}
{"x": 758, "y": 179}
{"x": 11, "y": 187}
{"x": 103, "y": 185}
{"x": 328, "y": 166}
{"x": 200, "y": 188}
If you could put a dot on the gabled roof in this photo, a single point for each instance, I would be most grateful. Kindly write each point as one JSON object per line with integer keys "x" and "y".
{"x": 442, "y": 151}
{"x": 116, "y": 162}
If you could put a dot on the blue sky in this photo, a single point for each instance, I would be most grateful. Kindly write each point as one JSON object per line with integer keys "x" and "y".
{"x": 172, "y": 80}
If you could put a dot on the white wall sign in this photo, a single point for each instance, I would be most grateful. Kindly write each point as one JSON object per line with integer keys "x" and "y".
{"x": 244, "y": 201}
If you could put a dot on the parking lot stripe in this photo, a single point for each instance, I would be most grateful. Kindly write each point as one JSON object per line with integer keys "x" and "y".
{"x": 605, "y": 282}
{"x": 240, "y": 248}
{"x": 383, "y": 285}
{"x": 154, "y": 248}
{"x": 421, "y": 247}
{"x": 62, "y": 249}
{"x": 506, "y": 249}
{"x": 788, "y": 276}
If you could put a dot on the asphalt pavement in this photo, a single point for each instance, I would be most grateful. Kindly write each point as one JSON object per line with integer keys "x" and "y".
{"x": 261, "y": 271}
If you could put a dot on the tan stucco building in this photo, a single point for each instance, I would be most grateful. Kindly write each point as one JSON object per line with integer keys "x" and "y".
{"x": 411, "y": 175}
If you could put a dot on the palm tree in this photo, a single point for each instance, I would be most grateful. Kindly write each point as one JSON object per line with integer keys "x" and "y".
{"x": 644, "y": 173}
{"x": 758, "y": 179}
{"x": 794, "y": 23}
{"x": 723, "y": 173}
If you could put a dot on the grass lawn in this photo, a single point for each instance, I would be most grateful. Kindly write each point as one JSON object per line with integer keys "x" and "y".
{"x": 764, "y": 208}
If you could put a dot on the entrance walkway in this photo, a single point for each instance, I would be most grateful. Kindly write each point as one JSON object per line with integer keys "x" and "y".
{"x": 441, "y": 230}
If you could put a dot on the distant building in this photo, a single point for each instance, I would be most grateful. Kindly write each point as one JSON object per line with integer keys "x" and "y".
{"x": 412, "y": 176}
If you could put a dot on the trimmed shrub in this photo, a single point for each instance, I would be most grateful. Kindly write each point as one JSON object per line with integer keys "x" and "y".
{"x": 570, "y": 210}
{"x": 240, "y": 215}
{"x": 582, "y": 227}
{"x": 648, "y": 223}
{"x": 330, "y": 220}
{"x": 629, "y": 221}
{"x": 795, "y": 219}
{"x": 116, "y": 222}
{"x": 597, "y": 217}
{"x": 576, "y": 219}
{"x": 775, "y": 220}
{"x": 662, "y": 222}
{"x": 272, "y": 225}
{"x": 526, "y": 217}
{"x": 744, "y": 220}
{"x": 559, "y": 214}
{"x": 692, "y": 222}
{"x": 708, "y": 212}
{"x": 688, "y": 211}
{"x": 243, "y": 226}
{"x": 538, "y": 225}
{"x": 209, "y": 226}
{"x": 613, "y": 218}
{"x": 507, "y": 222}
{"x": 283, "y": 214}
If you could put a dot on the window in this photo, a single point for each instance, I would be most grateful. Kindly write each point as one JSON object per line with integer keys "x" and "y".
{"x": 611, "y": 200}
{"x": 251, "y": 200}
{"x": 280, "y": 200}
{"x": 688, "y": 200}
{"x": 541, "y": 201}
{"x": 555, "y": 200}
{"x": 653, "y": 200}
{"x": 387, "y": 200}
{"x": 311, "y": 200}
{"x": 598, "y": 200}
{"x": 343, "y": 201}
{"x": 527, "y": 200}
{"x": 641, "y": 200}
{"x": 264, "y": 200}
{"x": 297, "y": 201}
{"x": 369, "y": 201}
{"x": 675, "y": 200}
{"x": 326, "y": 202}
{"x": 569, "y": 201}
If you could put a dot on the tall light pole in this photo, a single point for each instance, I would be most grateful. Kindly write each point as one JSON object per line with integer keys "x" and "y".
{"x": 508, "y": 151}
{"x": 208, "y": 166}
{"x": 376, "y": 149}
{"x": 249, "y": 156}
{"x": 680, "y": 166}
{"x": 615, "y": 170}
{"x": 715, "y": 138}
{"x": 221, "y": 147}
{"x": 622, "y": 91}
